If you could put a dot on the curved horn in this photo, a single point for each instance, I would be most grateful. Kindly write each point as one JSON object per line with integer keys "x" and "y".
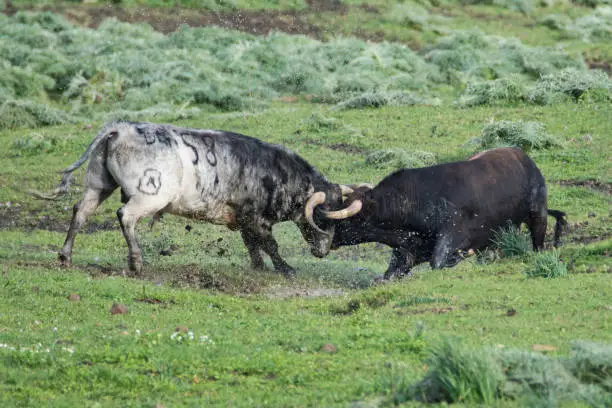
{"x": 346, "y": 190}
{"x": 316, "y": 199}
{"x": 349, "y": 211}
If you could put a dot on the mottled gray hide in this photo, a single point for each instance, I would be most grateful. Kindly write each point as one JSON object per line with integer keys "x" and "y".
{"x": 214, "y": 176}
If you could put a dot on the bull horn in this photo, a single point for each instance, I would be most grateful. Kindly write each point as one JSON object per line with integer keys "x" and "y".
{"x": 347, "y": 212}
{"x": 316, "y": 199}
{"x": 346, "y": 190}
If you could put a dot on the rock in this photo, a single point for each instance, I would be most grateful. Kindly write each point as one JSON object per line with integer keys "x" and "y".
{"x": 511, "y": 312}
{"x": 118, "y": 308}
{"x": 73, "y": 297}
{"x": 182, "y": 329}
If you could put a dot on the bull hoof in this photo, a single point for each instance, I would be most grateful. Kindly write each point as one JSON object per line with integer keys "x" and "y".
{"x": 135, "y": 266}
{"x": 65, "y": 260}
{"x": 287, "y": 271}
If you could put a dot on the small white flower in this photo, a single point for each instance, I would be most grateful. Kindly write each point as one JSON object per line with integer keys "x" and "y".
{"x": 137, "y": 332}
{"x": 190, "y": 334}
{"x": 54, "y": 329}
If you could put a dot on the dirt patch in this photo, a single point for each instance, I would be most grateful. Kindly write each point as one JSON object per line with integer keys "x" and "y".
{"x": 168, "y": 20}
{"x": 591, "y": 184}
{"x": 283, "y": 292}
{"x": 341, "y": 147}
{"x": 29, "y": 220}
{"x": 435, "y": 310}
{"x": 574, "y": 232}
{"x": 327, "y": 5}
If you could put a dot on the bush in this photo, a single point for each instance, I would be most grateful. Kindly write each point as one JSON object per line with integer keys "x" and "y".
{"x": 547, "y": 265}
{"x": 399, "y": 158}
{"x": 511, "y": 241}
{"x": 526, "y": 135}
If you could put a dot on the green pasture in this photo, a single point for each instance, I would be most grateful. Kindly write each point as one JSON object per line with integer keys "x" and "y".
{"x": 202, "y": 329}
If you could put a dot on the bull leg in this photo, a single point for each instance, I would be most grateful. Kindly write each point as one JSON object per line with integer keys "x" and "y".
{"x": 537, "y": 227}
{"x": 270, "y": 247}
{"x": 400, "y": 263}
{"x": 129, "y": 214}
{"x": 92, "y": 198}
{"x": 252, "y": 245}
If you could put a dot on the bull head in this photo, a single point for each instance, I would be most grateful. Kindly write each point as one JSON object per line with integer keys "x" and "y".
{"x": 319, "y": 198}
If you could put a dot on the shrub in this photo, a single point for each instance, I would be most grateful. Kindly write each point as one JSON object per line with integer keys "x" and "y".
{"x": 526, "y": 135}
{"x": 399, "y": 158}
{"x": 511, "y": 241}
{"x": 547, "y": 265}
{"x": 458, "y": 373}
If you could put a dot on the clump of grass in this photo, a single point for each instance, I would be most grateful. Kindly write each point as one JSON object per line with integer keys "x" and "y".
{"x": 536, "y": 378}
{"x": 591, "y": 363}
{"x": 571, "y": 83}
{"x": 458, "y": 373}
{"x": 377, "y": 99}
{"x": 38, "y": 143}
{"x": 318, "y": 123}
{"x": 399, "y": 158}
{"x": 511, "y": 89}
{"x": 161, "y": 112}
{"x": 558, "y": 22}
{"x": 547, "y": 264}
{"x": 511, "y": 241}
{"x": 526, "y": 135}
{"x": 24, "y": 113}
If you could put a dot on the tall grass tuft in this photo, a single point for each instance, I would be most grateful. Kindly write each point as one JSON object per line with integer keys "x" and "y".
{"x": 458, "y": 373}
{"x": 526, "y": 135}
{"x": 547, "y": 264}
{"x": 511, "y": 241}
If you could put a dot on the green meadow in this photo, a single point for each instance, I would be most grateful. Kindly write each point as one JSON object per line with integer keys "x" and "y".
{"x": 359, "y": 90}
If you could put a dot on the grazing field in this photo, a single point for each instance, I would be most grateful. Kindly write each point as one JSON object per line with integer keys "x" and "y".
{"x": 358, "y": 90}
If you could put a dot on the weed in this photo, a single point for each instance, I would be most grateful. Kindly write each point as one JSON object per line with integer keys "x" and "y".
{"x": 547, "y": 265}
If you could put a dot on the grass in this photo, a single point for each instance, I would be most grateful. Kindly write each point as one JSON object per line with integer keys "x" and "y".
{"x": 204, "y": 329}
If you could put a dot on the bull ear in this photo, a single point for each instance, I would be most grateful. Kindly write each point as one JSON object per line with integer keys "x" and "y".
{"x": 347, "y": 212}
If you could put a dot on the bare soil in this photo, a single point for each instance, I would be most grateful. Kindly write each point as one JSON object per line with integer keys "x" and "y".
{"x": 591, "y": 184}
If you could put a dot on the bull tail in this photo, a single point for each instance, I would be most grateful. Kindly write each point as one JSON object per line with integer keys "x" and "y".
{"x": 559, "y": 225}
{"x": 67, "y": 177}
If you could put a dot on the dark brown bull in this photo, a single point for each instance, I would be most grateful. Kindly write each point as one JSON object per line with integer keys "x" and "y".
{"x": 435, "y": 213}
